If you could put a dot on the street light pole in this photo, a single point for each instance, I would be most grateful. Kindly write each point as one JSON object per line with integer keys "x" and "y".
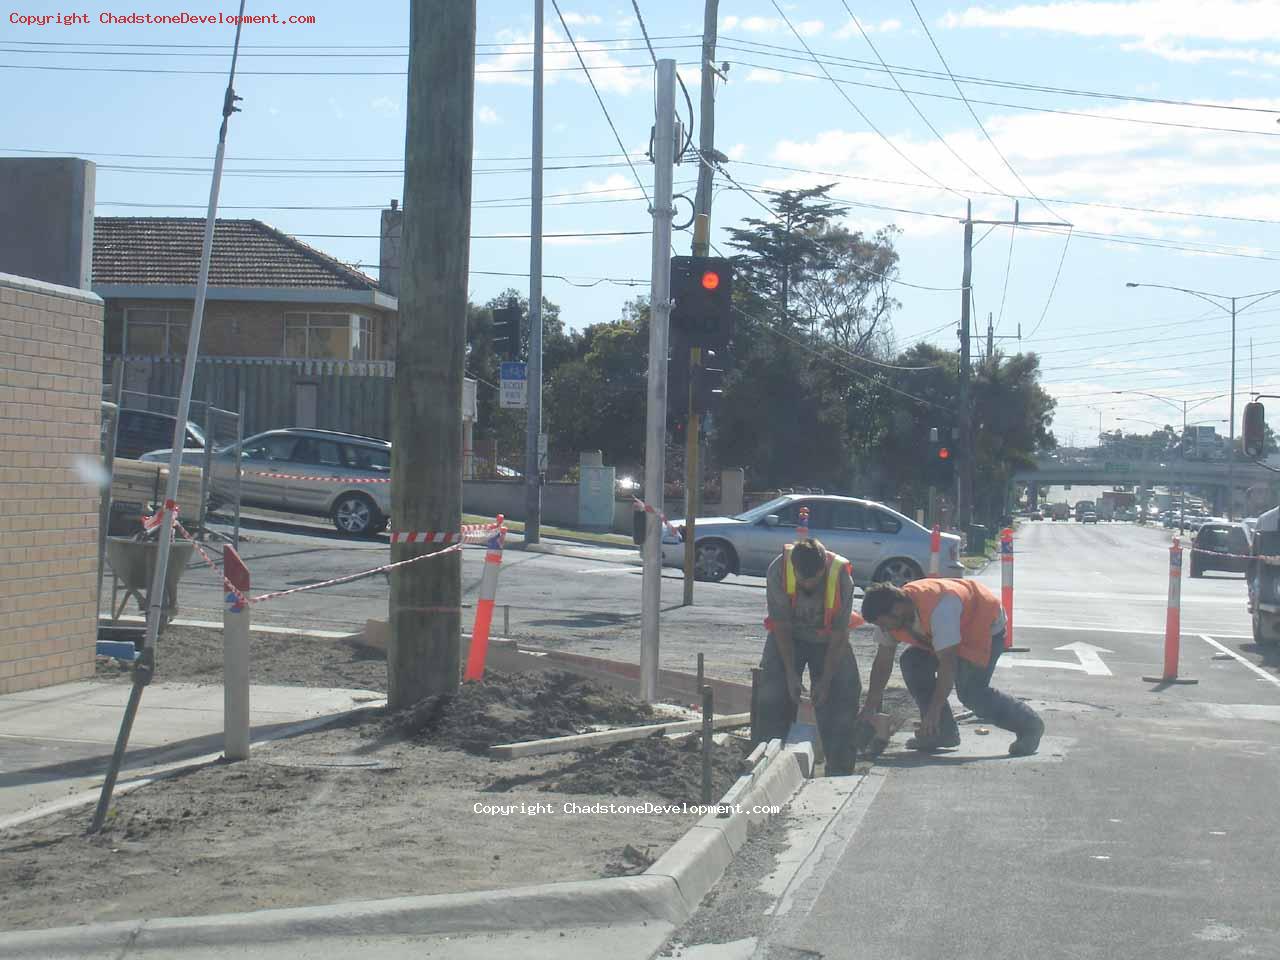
{"x": 1231, "y": 445}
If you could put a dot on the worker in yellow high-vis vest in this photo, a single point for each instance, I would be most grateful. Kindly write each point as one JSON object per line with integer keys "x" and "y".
{"x": 809, "y": 593}
{"x": 954, "y": 635}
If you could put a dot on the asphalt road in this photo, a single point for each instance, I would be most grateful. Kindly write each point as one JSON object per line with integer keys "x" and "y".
{"x": 1144, "y": 827}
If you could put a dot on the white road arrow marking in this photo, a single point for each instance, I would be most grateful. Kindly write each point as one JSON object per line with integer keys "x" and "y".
{"x": 1086, "y": 654}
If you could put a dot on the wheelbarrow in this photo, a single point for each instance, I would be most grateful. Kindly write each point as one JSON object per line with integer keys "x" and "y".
{"x": 133, "y": 564}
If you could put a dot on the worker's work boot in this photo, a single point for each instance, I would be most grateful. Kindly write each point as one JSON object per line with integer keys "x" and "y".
{"x": 939, "y": 742}
{"x": 1028, "y": 741}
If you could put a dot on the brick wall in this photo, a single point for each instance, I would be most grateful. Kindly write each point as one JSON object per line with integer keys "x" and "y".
{"x": 244, "y": 329}
{"x": 50, "y": 419}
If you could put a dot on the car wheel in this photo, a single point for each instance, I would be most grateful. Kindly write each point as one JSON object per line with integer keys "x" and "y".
{"x": 356, "y": 515}
{"x": 1196, "y": 571}
{"x": 897, "y": 571}
{"x": 713, "y": 560}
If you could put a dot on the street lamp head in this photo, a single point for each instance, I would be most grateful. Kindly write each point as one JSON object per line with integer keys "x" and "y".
{"x": 1133, "y": 284}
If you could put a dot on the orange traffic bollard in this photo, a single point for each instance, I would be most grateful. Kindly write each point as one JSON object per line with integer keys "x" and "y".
{"x": 484, "y": 605}
{"x": 802, "y": 531}
{"x": 935, "y": 551}
{"x": 1006, "y": 589}
{"x": 1173, "y": 621}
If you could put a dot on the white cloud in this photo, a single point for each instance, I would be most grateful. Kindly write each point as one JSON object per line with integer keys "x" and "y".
{"x": 385, "y": 106}
{"x": 850, "y": 29}
{"x": 514, "y": 62}
{"x": 615, "y": 186}
{"x": 578, "y": 19}
{"x": 487, "y": 115}
{"x": 771, "y": 25}
{"x": 337, "y": 108}
{"x": 737, "y": 152}
{"x": 1233, "y": 21}
{"x": 760, "y": 75}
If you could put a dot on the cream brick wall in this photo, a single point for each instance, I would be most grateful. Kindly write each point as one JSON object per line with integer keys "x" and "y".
{"x": 50, "y": 416}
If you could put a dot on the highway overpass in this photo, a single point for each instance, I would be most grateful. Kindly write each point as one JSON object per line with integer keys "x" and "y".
{"x": 1253, "y": 483}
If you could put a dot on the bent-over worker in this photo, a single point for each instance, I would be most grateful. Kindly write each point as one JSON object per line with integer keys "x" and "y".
{"x": 810, "y": 600}
{"x": 954, "y": 632}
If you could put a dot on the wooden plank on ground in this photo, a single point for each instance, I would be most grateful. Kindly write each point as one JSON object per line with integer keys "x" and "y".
{"x": 581, "y": 741}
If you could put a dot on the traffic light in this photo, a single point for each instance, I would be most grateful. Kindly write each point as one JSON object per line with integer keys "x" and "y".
{"x": 506, "y": 331}
{"x": 1255, "y": 430}
{"x": 702, "y": 300}
{"x": 708, "y": 381}
{"x": 1188, "y": 445}
{"x": 941, "y": 469}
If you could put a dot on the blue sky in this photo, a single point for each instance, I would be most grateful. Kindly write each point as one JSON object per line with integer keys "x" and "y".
{"x": 337, "y": 139}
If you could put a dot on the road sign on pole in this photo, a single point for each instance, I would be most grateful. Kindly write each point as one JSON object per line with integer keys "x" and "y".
{"x": 514, "y": 381}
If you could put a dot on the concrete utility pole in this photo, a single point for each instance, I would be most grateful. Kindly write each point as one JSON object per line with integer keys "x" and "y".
{"x": 701, "y": 248}
{"x": 532, "y": 460}
{"x": 423, "y": 657}
{"x": 967, "y": 460}
{"x": 964, "y": 478}
{"x": 664, "y": 151}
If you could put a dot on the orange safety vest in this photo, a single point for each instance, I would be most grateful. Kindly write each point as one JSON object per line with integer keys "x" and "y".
{"x": 831, "y": 598}
{"x": 981, "y": 607}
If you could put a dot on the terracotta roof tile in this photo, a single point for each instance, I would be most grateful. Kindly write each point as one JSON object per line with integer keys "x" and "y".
{"x": 246, "y": 253}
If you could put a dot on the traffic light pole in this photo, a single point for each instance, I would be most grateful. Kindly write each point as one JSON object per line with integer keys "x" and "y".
{"x": 664, "y": 147}
{"x": 701, "y": 248}
{"x": 532, "y": 459}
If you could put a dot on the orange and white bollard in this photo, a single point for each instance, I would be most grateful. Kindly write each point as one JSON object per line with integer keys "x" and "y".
{"x": 484, "y": 605}
{"x": 802, "y": 531}
{"x": 1173, "y": 621}
{"x": 935, "y": 552}
{"x": 1006, "y": 589}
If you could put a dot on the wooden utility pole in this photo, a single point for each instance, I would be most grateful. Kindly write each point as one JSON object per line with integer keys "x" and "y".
{"x": 701, "y": 248}
{"x": 423, "y": 657}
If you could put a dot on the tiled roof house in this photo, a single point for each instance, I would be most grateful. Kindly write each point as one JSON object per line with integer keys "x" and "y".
{"x": 270, "y": 294}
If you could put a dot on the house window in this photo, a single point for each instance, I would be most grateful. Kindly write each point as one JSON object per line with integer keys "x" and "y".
{"x": 327, "y": 336}
{"x": 152, "y": 332}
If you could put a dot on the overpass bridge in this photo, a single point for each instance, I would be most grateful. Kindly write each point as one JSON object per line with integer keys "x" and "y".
{"x": 1257, "y": 483}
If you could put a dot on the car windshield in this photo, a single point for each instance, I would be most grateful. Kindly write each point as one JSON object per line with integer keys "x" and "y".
{"x": 762, "y": 511}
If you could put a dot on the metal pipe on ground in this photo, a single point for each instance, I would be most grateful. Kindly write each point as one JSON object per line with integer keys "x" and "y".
{"x": 708, "y": 743}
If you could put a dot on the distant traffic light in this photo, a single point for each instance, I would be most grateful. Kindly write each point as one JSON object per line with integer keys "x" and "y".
{"x": 1255, "y": 430}
{"x": 702, "y": 300}
{"x": 506, "y": 331}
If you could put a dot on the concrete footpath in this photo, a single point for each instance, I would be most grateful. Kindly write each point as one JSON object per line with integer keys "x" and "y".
{"x": 57, "y": 741}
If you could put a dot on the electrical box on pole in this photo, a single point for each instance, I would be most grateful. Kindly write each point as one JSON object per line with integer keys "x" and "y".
{"x": 702, "y": 300}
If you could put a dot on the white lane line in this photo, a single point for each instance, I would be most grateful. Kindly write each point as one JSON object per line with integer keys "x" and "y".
{"x": 1252, "y": 666}
{"x": 598, "y": 573}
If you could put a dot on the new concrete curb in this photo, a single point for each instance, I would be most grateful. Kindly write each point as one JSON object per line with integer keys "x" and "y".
{"x": 669, "y": 891}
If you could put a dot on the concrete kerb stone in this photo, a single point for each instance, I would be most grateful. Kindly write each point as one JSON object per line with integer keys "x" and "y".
{"x": 669, "y": 892}
{"x": 544, "y": 907}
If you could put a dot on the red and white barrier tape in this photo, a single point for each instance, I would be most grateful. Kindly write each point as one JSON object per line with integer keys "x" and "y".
{"x": 470, "y": 531}
{"x": 1237, "y": 556}
{"x": 294, "y": 476}
{"x": 660, "y": 515}
{"x": 227, "y": 584}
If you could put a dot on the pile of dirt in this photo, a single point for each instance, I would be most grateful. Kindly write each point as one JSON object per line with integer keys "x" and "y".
{"x": 194, "y": 655}
{"x": 657, "y": 765}
{"x": 509, "y": 708}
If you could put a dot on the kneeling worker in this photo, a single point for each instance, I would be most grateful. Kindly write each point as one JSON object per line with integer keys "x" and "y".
{"x": 810, "y": 598}
{"x": 954, "y": 631}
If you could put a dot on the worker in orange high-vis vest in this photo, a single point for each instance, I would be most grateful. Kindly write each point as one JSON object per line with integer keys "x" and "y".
{"x": 809, "y": 592}
{"x": 954, "y": 632}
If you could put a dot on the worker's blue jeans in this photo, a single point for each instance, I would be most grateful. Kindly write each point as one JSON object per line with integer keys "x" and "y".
{"x": 776, "y": 711}
{"x": 973, "y": 688}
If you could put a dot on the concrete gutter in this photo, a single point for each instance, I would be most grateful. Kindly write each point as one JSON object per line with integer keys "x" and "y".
{"x": 667, "y": 893}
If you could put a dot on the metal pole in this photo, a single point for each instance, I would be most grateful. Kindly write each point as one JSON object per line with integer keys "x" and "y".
{"x": 207, "y": 466}
{"x": 108, "y": 464}
{"x": 533, "y": 472}
{"x": 706, "y": 131}
{"x": 656, "y": 413}
{"x": 1231, "y": 445}
{"x": 708, "y": 742}
{"x": 964, "y": 498}
{"x": 145, "y": 664}
{"x": 235, "y": 542}
{"x": 691, "y": 484}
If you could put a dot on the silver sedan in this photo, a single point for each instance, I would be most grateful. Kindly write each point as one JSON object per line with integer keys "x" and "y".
{"x": 882, "y": 544}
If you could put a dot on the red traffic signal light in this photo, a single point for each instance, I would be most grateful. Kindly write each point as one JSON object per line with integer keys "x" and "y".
{"x": 710, "y": 280}
{"x": 944, "y": 453}
{"x": 1255, "y": 430}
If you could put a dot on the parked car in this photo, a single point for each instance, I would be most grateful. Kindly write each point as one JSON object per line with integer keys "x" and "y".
{"x": 273, "y": 462}
{"x": 881, "y": 543}
{"x": 1216, "y": 538}
{"x": 138, "y": 431}
{"x": 1089, "y": 517}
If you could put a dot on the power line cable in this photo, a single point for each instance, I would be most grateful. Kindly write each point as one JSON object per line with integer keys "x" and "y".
{"x": 849, "y": 100}
{"x": 914, "y": 106}
{"x": 1053, "y": 288}
{"x": 600, "y": 100}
